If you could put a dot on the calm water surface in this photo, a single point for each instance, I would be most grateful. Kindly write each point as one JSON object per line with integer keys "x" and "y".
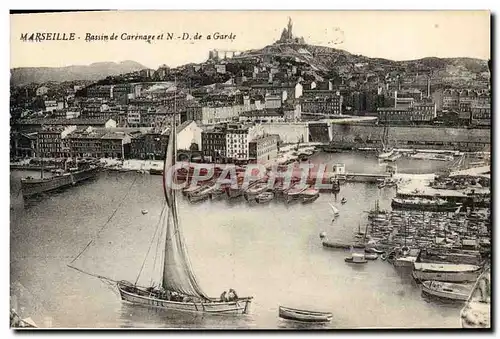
{"x": 272, "y": 252}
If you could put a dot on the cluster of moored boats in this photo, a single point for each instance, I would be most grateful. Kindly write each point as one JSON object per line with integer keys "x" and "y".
{"x": 261, "y": 192}
{"x": 445, "y": 252}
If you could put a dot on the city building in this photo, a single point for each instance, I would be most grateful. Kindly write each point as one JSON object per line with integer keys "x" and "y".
{"x": 72, "y": 114}
{"x": 23, "y": 144}
{"x": 417, "y": 114}
{"x": 237, "y": 142}
{"x": 265, "y": 115}
{"x": 263, "y": 148}
{"x": 481, "y": 115}
{"x": 52, "y": 105}
{"x": 120, "y": 92}
{"x": 462, "y": 100}
{"x": 115, "y": 145}
{"x": 215, "y": 114}
{"x": 148, "y": 146}
{"x": 36, "y": 124}
{"x": 289, "y": 132}
{"x": 272, "y": 101}
{"x": 100, "y": 91}
{"x": 50, "y": 141}
{"x": 102, "y": 142}
{"x": 326, "y": 105}
{"x": 213, "y": 144}
{"x": 426, "y": 111}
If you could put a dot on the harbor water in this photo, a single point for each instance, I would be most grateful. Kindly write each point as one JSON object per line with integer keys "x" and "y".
{"x": 271, "y": 252}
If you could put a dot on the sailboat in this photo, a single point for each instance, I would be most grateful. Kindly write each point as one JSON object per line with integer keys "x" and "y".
{"x": 179, "y": 289}
{"x": 334, "y": 210}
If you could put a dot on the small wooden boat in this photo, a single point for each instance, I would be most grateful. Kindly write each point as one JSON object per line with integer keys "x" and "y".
{"x": 371, "y": 256}
{"x": 257, "y": 189}
{"x": 217, "y": 193}
{"x": 198, "y": 197}
{"x": 447, "y": 290}
{"x": 304, "y": 315}
{"x": 264, "y": 197}
{"x": 356, "y": 258}
{"x": 309, "y": 195}
{"x": 156, "y": 171}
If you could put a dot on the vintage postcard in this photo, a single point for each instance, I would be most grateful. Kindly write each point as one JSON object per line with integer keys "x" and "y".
{"x": 250, "y": 169}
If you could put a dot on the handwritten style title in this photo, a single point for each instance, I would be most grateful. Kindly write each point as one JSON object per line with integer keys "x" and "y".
{"x": 89, "y": 37}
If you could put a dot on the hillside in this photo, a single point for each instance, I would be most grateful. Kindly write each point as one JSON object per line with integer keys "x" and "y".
{"x": 452, "y": 71}
{"x": 92, "y": 72}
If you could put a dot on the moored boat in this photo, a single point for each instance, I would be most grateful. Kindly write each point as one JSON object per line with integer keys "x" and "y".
{"x": 406, "y": 261}
{"x": 191, "y": 189}
{"x": 371, "y": 256}
{"x": 257, "y": 188}
{"x": 264, "y": 197}
{"x": 437, "y": 205}
{"x": 445, "y": 272}
{"x": 31, "y": 186}
{"x": 304, "y": 315}
{"x": 294, "y": 192}
{"x": 156, "y": 171}
{"x": 356, "y": 258}
{"x": 447, "y": 290}
{"x": 309, "y": 195}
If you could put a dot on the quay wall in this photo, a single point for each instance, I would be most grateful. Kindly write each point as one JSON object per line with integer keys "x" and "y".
{"x": 463, "y": 139}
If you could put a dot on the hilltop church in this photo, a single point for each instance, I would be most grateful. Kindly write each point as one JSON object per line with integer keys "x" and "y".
{"x": 287, "y": 35}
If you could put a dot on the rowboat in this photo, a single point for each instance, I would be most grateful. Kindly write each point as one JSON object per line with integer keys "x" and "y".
{"x": 304, "y": 315}
{"x": 356, "y": 258}
{"x": 447, "y": 290}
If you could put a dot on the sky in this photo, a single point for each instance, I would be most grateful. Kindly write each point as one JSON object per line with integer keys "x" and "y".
{"x": 396, "y": 35}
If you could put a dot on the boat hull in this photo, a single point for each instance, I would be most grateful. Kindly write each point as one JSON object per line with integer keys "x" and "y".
{"x": 240, "y": 306}
{"x": 309, "y": 199}
{"x": 451, "y": 207}
{"x": 38, "y": 186}
{"x": 442, "y": 294}
{"x": 351, "y": 261}
{"x": 154, "y": 171}
{"x": 457, "y": 277}
{"x": 304, "y": 316}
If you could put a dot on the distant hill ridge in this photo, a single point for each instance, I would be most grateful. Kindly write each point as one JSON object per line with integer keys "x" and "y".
{"x": 320, "y": 58}
{"x": 92, "y": 72}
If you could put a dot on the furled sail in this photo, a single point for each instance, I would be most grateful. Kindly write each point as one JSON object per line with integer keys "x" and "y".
{"x": 178, "y": 274}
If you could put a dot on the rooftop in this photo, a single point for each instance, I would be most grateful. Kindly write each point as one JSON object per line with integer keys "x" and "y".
{"x": 62, "y": 121}
{"x": 262, "y": 113}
